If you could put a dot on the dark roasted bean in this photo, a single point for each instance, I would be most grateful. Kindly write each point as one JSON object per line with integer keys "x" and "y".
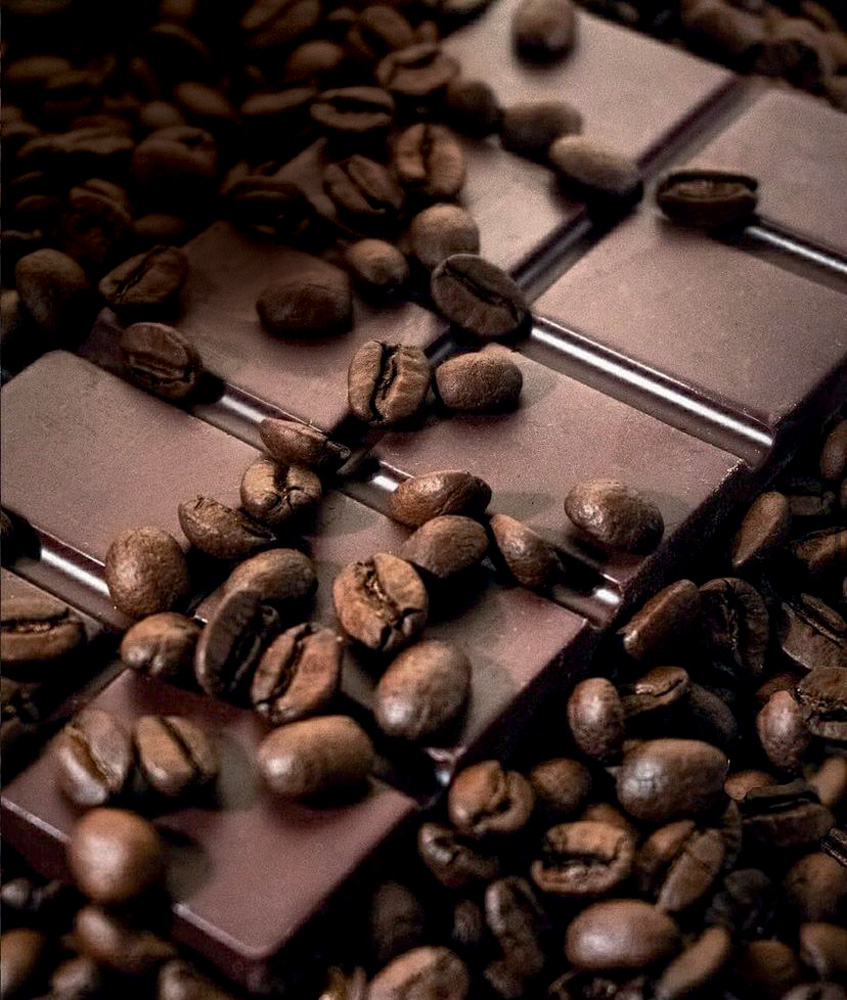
{"x": 707, "y": 198}
{"x": 764, "y": 530}
{"x": 453, "y": 859}
{"x": 160, "y": 360}
{"x": 678, "y": 864}
{"x": 784, "y": 816}
{"x": 276, "y": 494}
{"x": 519, "y": 924}
{"x": 620, "y": 934}
{"x": 21, "y": 955}
{"x": 823, "y": 947}
{"x": 823, "y": 698}
{"x": 529, "y": 558}
{"x": 363, "y": 191}
{"x": 387, "y": 383}
{"x": 429, "y": 161}
{"x": 273, "y": 24}
{"x": 420, "y": 974}
{"x": 561, "y": 786}
{"x": 175, "y": 756}
{"x": 615, "y": 516}
{"x": 293, "y": 443}
{"x": 175, "y": 166}
{"x": 162, "y": 646}
{"x": 357, "y": 111}
{"x": 659, "y": 690}
{"x": 432, "y": 494}
{"x": 485, "y": 799}
{"x": 815, "y": 887}
{"x": 811, "y": 634}
{"x": 662, "y": 622}
{"x": 271, "y": 206}
{"x": 378, "y": 30}
{"x": 446, "y": 545}
{"x": 584, "y": 859}
{"x": 145, "y": 284}
{"x": 596, "y": 717}
{"x": 284, "y": 578}
{"x": 544, "y": 30}
{"x": 220, "y": 531}
{"x": 55, "y": 291}
{"x": 478, "y": 297}
{"x": 377, "y": 266}
{"x": 471, "y": 107}
{"x": 782, "y": 731}
{"x": 94, "y": 759}
{"x": 36, "y": 633}
{"x": 821, "y": 555}
{"x": 765, "y": 968}
{"x": 486, "y": 382}
{"x": 397, "y": 919}
{"x": 440, "y": 231}
{"x": 698, "y": 965}
{"x": 736, "y": 623}
{"x": 530, "y": 129}
{"x": 180, "y": 981}
{"x": 146, "y": 572}
{"x": 416, "y": 72}
{"x": 314, "y": 300}
{"x": 833, "y": 460}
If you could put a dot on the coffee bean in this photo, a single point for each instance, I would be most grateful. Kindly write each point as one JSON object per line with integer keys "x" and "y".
{"x": 21, "y": 955}
{"x": 423, "y": 690}
{"x": 284, "y": 578}
{"x": 452, "y": 859}
{"x": 821, "y": 555}
{"x": 678, "y": 863}
{"x": 811, "y": 633}
{"x": 356, "y": 111}
{"x": 734, "y": 35}
{"x": 823, "y": 698}
{"x": 175, "y": 166}
{"x": 92, "y": 229}
{"x": 271, "y": 207}
{"x": 161, "y": 227}
{"x": 232, "y": 643}
{"x": 159, "y": 114}
{"x": 55, "y": 291}
{"x": 298, "y": 674}
{"x": 175, "y": 756}
{"x": 363, "y": 191}
{"x": 162, "y": 646}
{"x": 429, "y": 161}
{"x": 784, "y": 816}
{"x": 276, "y": 494}
{"x": 145, "y": 284}
{"x": 220, "y": 531}
{"x": 180, "y": 981}
{"x": 615, "y": 516}
{"x": 739, "y": 783}
{"x": 662, "y": 622}
{"x": 833, "y": 460}
{"x": 764, "y": 529}
{"x": 114, "y": 856}
{"x": 583, "y": 859}
{"x": 378, "y": 30}
{"x": 440, "y": 231}
{"x": 486, "y": 382}
{"x": 387, "y": 383}
{"x": 829, "y": 782}
{"x": 736, "y": 624}
{"x": 659, "y": 690}
{"x": 77, "y": 979}
{"x": 544, "y": 30}
{"x": 530, "y": 129}
{"x": 696, "y": 966}
{"x": 620, "y": 934}
{"x": 591, "y": 168}
{"x": 160, "y": 360}
{"x": 377, "y": 266}
{"x": 668, "y": 779}
{"x": 421, "y": 974}
{"x": 446, "y": 546}
{"x": 431, "y": 494}
{"x": 471, "y": 107}
{"x": 486, "y": 799}
{"x": 528, "y": 557}
{"x": 314, "y": 300}
{"x": 35, "y": 633}
{"x": 381, "y": 602}
{"x": 707, "y": 199}
{"x": 397, "y": 921}
{"x": 146, "y": 572}
{"x": 118, "y": 945}
{"x": 561, "y": 786}
{"x": 596, "y": 717}
{"x": 94, "y": 759}
{"x": 416, "y": 72}
{"x": 766, "y": 968}
{"x": 518, "y": 923}
{"x": 468, "y": 925}
{"x": 815, "y": 887}
{"x": 293, "y": 443}
{"x": 823, "y": 947}
{"x": 478, "y": 297}
{"x": 782, "y": 732}
{"x": 314, "y": 757}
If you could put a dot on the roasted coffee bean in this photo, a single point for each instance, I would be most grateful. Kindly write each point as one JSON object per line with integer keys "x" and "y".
{"x": 429, "y": 161}
{"x": 528, "y": 557}
{"x": 471, "y": 107}
{"x": 615, "y": 516}
{"x": 397, "y": 921}
{"x": 446, "y": 546}
{"x": 159, "y": 114}
{"x": 592, "y": 168}
{"x": 276, "y": 494}
{"x": 422, "y": 973}
{"x": 823, "y": 947}
{"x": 293, "y": 443}
{"x": 175, "y": 756}
{"x": 356, "y": 111}
{"x": 468, "y": 925}
{"x": 478, "y": 297}
{"x": 736, "y": 623}
{"x": 35, "y": 633}
{"x": 416, "y": 72}
{"x": 314, "y": 300}
{"x": 162, "y": 646}
{"x": 275, "y": 24}
{"x": 739, "y": 783}
{"x": 160, "y": 360}
{"x": 815, "y": 887}
{"x": 270, "y": 206}
{"x": 698, "y": 965}
{"x": 811, "y": 634}
{"x": 145, "y": 284}
{"x": 174, "y": 166}
{"x": 519, "y": 924}
{"x": 823, "y": 698}
{"x": 734, "y": 35}
{"x": 663, "y": 621}
{"x": 284, "y": 578}
{"x": 667, "y": 779}
{"x": 659, "y": 690}
{"x": 114, "y": 856}
{"x": 55, "y": 291}
{"x": 94, "y": 759}
{"x": 440, "y": 231}
{"x": 146, "y": 572}
{"x": 92, "y": 229}
{"x": 764, "y": 529}
{"x": 678, "y": 864}
{"x": 377, "y": 266}
{"x": 118, "y": 945}
{"x": 378, "y": 30}
{"x": 220, "y": 531}
{"x": 21, "y": 954}
{"x": 544, "y": 30}
{"x": 833, "y": 460}
{"x": 621, "y": 934}
{"x": 341, "y": 986}
{"x": 454, "y": 860}
{"x": 232, "y": 643}
{"x": 486, "y": 382}
{"x": 765, "y": 968}
{"x": 328, "y": 754}
{"x": 784, "y": 816}
{"x": 486, "y": 799}
{"x": 816, "y": 991}
{"x": 583, "y": 859}
{"x": 180, "y": 981}
{"x": 596, "y": 717}
{"x": 744, "y": 903}
{"x": 298, "y": 674}
{"x": 205, "y": 106}
{"x": 530, "y": 129}
{"x": 707, "y": 199}
{"x": 829, "y": 782}
{"x": 420, "y": 498}
{"x": 387, "y": 383}
{"x": 77, "y": 979}
{"x": 423, "y": 690}
{"x": 161, "y": 227}
{"x": 561, "y": 786}
{"x": 821, "y": 555}
{"x": 363, "y": 191}
{"x": 381, "y": 602}
{"x": 782, "y": 731}
{"x": 796, "y": 49}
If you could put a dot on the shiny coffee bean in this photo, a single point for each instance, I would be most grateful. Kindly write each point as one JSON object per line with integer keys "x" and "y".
{"x": 325, "y": 755}
{"x": 823, "y": 699}
{"x": 314, "y": 300}
{"x": 583, "y": 859}
{"x": 446, "y": 546}
{"x": 471, "y": 107}
{"x": 417, "y": 72}
{"x": 707, "y": 199}
{"x": 356, "y": 111}
{"x": 55, "y": 290}
{"x": 821, "y": 555}
{"x": 736, "y": 624}
{"x": 454, "y": 860}
{"x": 363, "y": 191}
{"x": 146, "y": 572}
{"x": 811, "y": 634}
{"x": 615, "y": 516}
{"x": 94, "y": 759}
{"x": 764, "y": 529}
{"x": 220, "y": 531}
{"x": 298, "y": 674}
{"x": 387, "y": 383}
{"x": 440, "y": 231}
{"x": 815, "y": 887}
{"x": 118, "y": 945}
{"x": 696, "y": 966}
{"x": 486, "y": 382}
{"x": 519, "y": 924}
{"x": 162, "y": 646}
{"x": 423, "y": 691}
{"x": 588, "y": 166}
{"x": 486, "y": 799}
{"x": 784, "y": 816}
{"x": 283, "y": 578}
{"x": 420, "y": 498}
{"x": 160, "y": 360}
{"x": 145, "y": 284}
{"x": 276, "y": 494}
{"x": 530, "y": 129}
{"x": 544, "y": 30}
{"x": 528, "y": 557}
{"x": 21, "y": 955}
{"x": 596, "y": 717}
{"x": 180, "y": 981}
{"x": 662, "y": 622}
{"x": 175, "y": 756}
{"x": 36, "y": 632}
{"x": 478, "y": 297}
{"x": 782, "y": 731}
{"x": 429, "y": 161}
{"x": 293, "y": 443}
{"x": 561, "y": 786}
{"x": 423, "y": 972}
{"x": 659, "y": 690}
{"x": 381, "y": 602}
{"x": 378, "y": 267}
{"x": 397, "y": 921}
{"x": 621, "y": 934}
{"x": 678, "y": 864}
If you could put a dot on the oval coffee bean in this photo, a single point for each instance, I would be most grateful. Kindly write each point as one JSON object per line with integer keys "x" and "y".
{"x": 764, "y": 529}
{"x": 530, "y": 559}
{"x": 220, "y": 531}
{"x": 784, "y": 816}
{"x": 420, "y": 498}
{"x": 55, "y": 291}
{"x": 378, "y": 30}
{"x": 592, "y": 167}
{"x": 276, "y": 494}
{"x": 293, "y": 443}
{"x": 355, "y": 111}
{"x": 162, "y": 646}
{"x": 478, "y": 297}
{"x": 387, "y": 383}
{"x": 615, "y": 516}
{"x": 114, "y": 856}
{"x": 314, "y": 300}
{"x": 160, "y": 360}
{"x": 823, "y": 697}
{"x": 34, "y": 631}
{"x": 485, "y": 799}
{"x": 561, "y": 786}
{"x": 146, "y": 283}
{"x": 328, "y": 754}
{"x": 811, "y": 634}
{"x": 175, "y": 756}
{"x": 530, "y": 129}
{"x": 678, "y": 864}
{"x": 736, "y": 623}
{"x": 697, "y": 965}
{"x": 662, "y": 622}
{"x": 377, "y": 266}
{"x": 833, "y": 460}
{"x": 782, "y": 732}
{"x": 363, "y": 191}
{"x": 446, "y": 545}
{"x": 666, "y": 779}
{"x": 815, "y": 887}
{"x": 471, "y": 107}
{"x": 453, "y": 860}
{"x": 596, "y": 717}
{"x": 821, "y": 554}
{"x": 284, "y": 578}
{"x": 429, "y": 161}
{"x": 382, "y": 602}
{"x": 620, "y": 934}
{"x": 766, "y": 968}
{"x": 116, "y": 944}
{"x": 21, "y": 957}
{"x": 658, "y": 690}
{"x": 519, "y": 924}
{"x": 298, "y": 674}
{"x": 421, "y": 974}
{"x": 486, "y": 382}
{"x": 707, "y": 199}
{"x": 583, "y": 859}
{"x": 397, "y": 921}
{"x": 416, "y": 72}
{"x": 823, "y": 947}
{"x": 544, "y": 30}
{"x": 77, "y": 978}
{"x": 423, "y": 690}
{"x": 271, "y": 207}
{"x": 93, "y": 758}
{"x": 146, "y": 572}
{"x": 440, "y": 231}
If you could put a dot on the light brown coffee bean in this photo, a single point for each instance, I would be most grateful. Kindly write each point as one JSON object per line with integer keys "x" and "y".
{"x": 37, "y": 633}
{"x": 160, "y": 360}
{"x": 583, "y": 859}
{"x": 833, "y": 460}
{"x": 312, "y": 301}
{"x": 815, "y": 887}
{"x": 363, "y": 191}
{"x": 471, "y": 107}
{"x": 453, "y": 860}
{"x": 146, "y": 572}
{"x": 766, "y": 968}
{"x": 429, "y": 161}
{"x": 620, "y": 934}
{"x": 277, "y": 494}
{"x": 486, "y": 799}
{"x": 544, "y": 30}
{"x": 823, "y": 947}
{"x": 293, "y": 443}
{"x": 284, "y": 578}
{"x": 21, "y": 956}
{"x": 175, "y": 756}
{"x": 377, "y": 266}
{"x": 486, "y": 382}
{"x": 145, "y": 284}
{"x": 697, "y": 965}
{"x": 529, "y": 558}
{"x": 441, "y": 230}
{"x": 782, "y": 731}
{"x": 765, "y": 529}
{"x": 823, "y": 698}
{"x": 664, "y": 621}
{"x": 180, "y": 981}
{"x": 354, "y": 111}
{"x": 446, "y": 545}
{"x": 417, "y": 72}
{"x": 519, "y": 924}
{"x": 421, "y": 974}
{"x": 220, "y": 531}
{"x": 118, "y": 945}
{"x": 420, "y": 498}
{"x": 561, "y": 786}
{"x": 387, "y": 383}
{"x": 55, "y": 291}
{"x": 594, "y": 168}
{"x": 94, "y": 759}
{"x": 530, "y": 129}
{"x": 678, "y": 864}
{"x": 478, "y": 297}
{"x": 615, "y": 516}
{"x": 596, "y": 717}
{"x": 161, "y": 645}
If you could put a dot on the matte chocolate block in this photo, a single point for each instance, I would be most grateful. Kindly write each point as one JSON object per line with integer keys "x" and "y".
{"x": 248, "y": 872}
